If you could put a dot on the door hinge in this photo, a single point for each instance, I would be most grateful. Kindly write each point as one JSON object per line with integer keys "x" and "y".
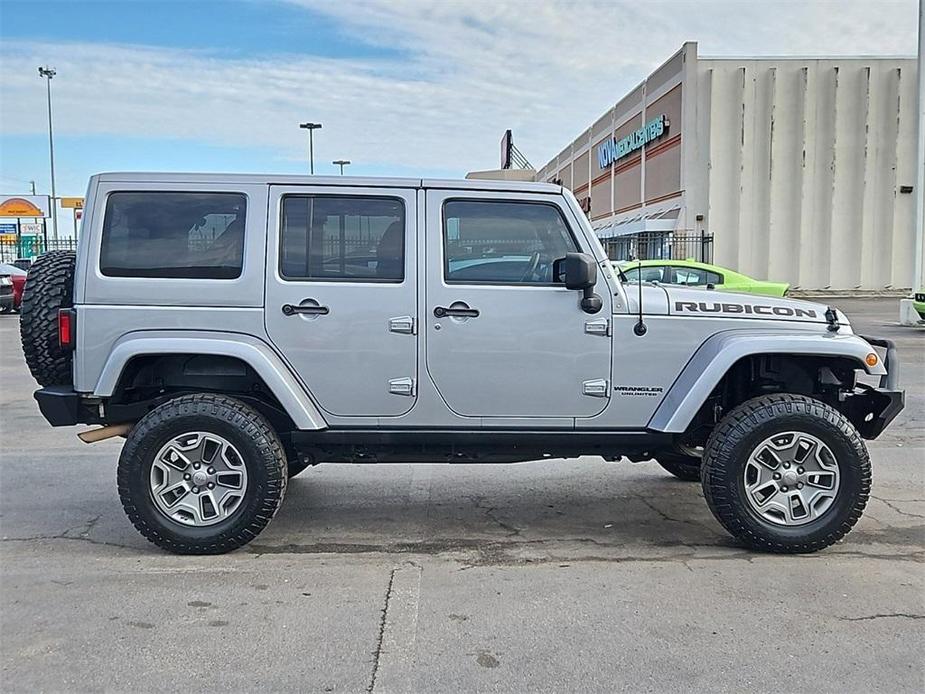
{"x": 402, "y": 324}
{"x": 597, "y": 388}
{"x": 401, "y": 386}
{"x": 599, "y": 326}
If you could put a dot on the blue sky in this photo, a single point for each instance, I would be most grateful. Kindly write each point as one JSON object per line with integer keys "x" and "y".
{"x": 403, "y": 87}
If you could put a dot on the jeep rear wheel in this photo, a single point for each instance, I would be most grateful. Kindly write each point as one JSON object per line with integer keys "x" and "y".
{"x": 202, "y": 474}
{"x": 786, "y": 473}
{"x": 49, "y": 287}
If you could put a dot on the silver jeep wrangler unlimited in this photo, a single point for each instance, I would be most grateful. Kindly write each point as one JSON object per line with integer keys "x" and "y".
{"x": 237, "y": 329}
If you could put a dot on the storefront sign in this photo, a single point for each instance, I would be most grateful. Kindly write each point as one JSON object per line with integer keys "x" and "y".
{"x": 8, "y": 228}
{"x": 613, "y": 149}
{"x": 72, "y": 203}
{"x": 31, "y": 228}
{"x": 24, "y": 206}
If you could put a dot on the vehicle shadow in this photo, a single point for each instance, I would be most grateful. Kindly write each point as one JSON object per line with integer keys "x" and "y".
{"x": 554, "y": 508}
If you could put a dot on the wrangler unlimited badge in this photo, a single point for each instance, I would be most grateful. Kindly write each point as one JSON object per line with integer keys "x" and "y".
{"x": 749, "y": 309}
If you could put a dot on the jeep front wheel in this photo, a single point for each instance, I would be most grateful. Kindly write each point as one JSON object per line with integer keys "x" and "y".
{"x": 202, "y": 474}
{"x": 786, "y": 473}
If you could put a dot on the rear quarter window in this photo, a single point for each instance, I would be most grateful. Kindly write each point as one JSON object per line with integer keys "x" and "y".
{"x": 188, "y": 235}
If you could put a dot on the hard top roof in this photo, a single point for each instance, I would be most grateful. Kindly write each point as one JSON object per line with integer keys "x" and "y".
{"x": 339, "y": 181}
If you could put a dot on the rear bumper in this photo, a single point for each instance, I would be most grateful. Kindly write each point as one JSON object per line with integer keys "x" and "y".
{"x": 61, "y": 406}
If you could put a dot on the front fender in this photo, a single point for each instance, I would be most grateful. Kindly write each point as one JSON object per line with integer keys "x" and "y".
{"x": 721, "y": 351}
{"x": 257, "y": 354}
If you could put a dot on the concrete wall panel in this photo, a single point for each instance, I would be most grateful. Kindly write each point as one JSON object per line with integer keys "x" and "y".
{"x": 903, "y": 250}
{"x": 795, "y": 163}
{"x": 786, "y": 171}
{"x": 663, "y": 172}
{"x": 851, "y": 104}
{"x": 581, "y": 171}
{"x": 725, "y": 160}
{"x": 602, "y": 198}
{"x": 628, "y": 186}
{"x": 670, "y": 105}
{"x": 565, "y": 175}
{"x": 809, "y": 191}
{"x": 669, "y": 71}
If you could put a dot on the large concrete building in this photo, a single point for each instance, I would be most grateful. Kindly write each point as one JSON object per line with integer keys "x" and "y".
{"x": 794, "y": 169}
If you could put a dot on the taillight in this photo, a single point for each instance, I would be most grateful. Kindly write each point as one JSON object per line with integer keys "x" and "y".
{"x": 67, "y": 328}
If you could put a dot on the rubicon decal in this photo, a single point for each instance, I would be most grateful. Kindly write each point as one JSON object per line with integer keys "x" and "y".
{"x": 746, "y": 309}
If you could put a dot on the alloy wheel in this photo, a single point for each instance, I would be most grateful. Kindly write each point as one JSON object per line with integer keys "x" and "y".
{"x": 791, "y": 478}
{"x": 197, "y": 479}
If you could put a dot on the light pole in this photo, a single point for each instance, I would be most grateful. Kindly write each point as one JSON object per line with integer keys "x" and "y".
{"x": 47, "y": 73}
{"x": 311, "y": 128}
{"x": 341, "y": 163}
{"x": 918, "y": 243}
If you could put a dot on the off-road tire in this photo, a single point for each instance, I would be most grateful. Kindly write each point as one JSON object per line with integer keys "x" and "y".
{"x": 49, "y": 286}
{"x": 745, "y": 427}
{"x": 237, "y": 422}
{"x": 684, "y": 467}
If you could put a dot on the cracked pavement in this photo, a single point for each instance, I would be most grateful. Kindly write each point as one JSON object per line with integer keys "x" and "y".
{"x": 574, "y": 575}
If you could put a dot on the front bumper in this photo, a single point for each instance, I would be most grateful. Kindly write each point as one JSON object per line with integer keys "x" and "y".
{"x": 872, "y": 408}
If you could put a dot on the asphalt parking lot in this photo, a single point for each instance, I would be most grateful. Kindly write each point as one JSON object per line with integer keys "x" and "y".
{"x": 561, "y": 575}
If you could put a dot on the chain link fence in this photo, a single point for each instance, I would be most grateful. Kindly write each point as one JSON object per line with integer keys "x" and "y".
{"x": 661, "y": 245}
{"x": 33, "y": 246}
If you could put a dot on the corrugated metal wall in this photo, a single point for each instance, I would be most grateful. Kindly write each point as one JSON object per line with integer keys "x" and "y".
{"x": 805, "y": 163}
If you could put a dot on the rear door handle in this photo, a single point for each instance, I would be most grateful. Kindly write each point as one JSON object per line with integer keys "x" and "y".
{"x": 290, "y": 310}
{"x": 441, "y": 311}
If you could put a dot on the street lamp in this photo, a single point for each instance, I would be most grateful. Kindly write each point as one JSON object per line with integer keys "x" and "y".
{"x": 47, "y": 73}
{"x": 311, "y": 127}
{"x": 341, "y": 163}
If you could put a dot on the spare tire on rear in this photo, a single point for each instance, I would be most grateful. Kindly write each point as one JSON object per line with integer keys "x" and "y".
{"x": 49, "y": 287}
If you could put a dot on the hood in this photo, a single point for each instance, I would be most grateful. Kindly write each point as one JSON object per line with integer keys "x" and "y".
{"x": 683, "y": 301}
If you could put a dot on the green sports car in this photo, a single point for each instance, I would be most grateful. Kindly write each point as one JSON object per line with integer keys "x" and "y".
{"x": 918, "y": 302}
{"x": 690, "y": 273}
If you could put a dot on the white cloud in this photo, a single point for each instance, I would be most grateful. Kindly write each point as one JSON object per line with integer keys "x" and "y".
{"x": 468, "y": 71}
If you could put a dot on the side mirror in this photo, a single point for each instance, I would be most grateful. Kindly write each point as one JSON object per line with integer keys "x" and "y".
{"x": 579, "y": 271}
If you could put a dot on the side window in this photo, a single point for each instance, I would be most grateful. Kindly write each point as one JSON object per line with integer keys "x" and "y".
{"x": 165, "y": 234}
{"x": 714, "y": 277}
{"x": 690, "y": 276}
{"x": 327, "y": 237}
{"x": 649, "y": 274}
{"x": 488, "y": 241}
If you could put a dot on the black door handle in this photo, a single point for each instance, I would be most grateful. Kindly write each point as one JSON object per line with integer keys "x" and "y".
{"x": 291, "y": 310}
{"x": 441, "y": 311}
